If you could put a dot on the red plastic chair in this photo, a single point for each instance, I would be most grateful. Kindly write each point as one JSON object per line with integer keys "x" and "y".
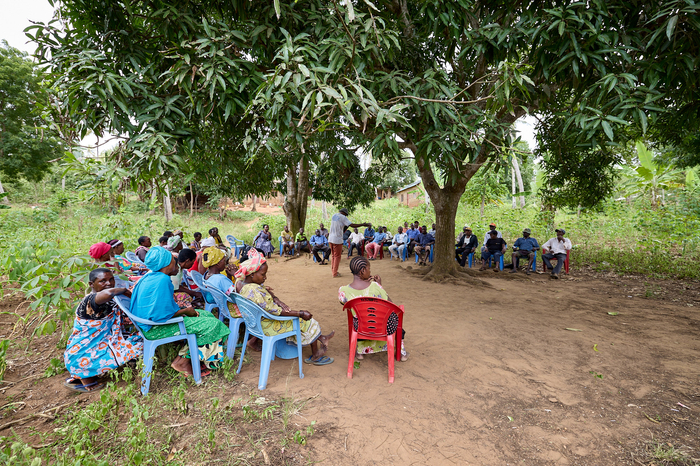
{"x": 566, "y": 263}
{"x": 373, "y": 316}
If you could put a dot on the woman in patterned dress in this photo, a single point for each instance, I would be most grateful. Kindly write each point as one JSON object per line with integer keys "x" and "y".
{"x": 252, "y": 275}
{"x": 364, "y": 284}
{"x": 99, "y": 342}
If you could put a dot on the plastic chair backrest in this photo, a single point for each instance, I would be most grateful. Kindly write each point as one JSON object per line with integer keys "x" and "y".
{"x": 233, "y": 241}
{"x": 132, "y": 257}
{"x": 198, "y": 280}
{"x": 373, "y": 316}
{"x": 252, "y": 315}
{"x": 124, "y": 304}
{"x": 219, "y": 297}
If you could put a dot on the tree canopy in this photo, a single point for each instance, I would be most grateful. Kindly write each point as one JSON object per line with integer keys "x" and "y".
{"x": 27, "y": 143}
{"x": 252, "y": 86}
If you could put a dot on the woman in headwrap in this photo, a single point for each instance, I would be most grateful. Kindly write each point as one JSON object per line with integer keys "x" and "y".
{"x": 122, "y": 262}
{"x": 152, "y": 298}
{"x": 100, "y": 341}
{"x": 102, "y": 252}
{"x": 263, "y": 241}
{"x": 252, "y": 275}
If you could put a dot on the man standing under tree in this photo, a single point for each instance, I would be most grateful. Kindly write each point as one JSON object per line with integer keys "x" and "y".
{"x": 339, "y": 223}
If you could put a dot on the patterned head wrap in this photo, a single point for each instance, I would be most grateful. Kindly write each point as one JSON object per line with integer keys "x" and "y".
{"x": 211, "y": 256}
{"x": 157, "y": 258}
{"x": 252, "y": 265}
{"x": 98, "y": 250}
{"x": 173, "y": 241}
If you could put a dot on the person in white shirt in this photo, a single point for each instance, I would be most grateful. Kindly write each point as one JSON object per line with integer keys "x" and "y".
{"x": 355, "y": 242}
{"x": 339, "y": 223}
{"x": 398, "y": 244}
{"x": 487, "y": 236}
{"x": 556, "y": 248}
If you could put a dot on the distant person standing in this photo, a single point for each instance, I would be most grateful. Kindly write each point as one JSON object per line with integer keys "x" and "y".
{"x": 323, "y": 229}
{"x": 556, "y": 248}
{"x": 339, "y": 223}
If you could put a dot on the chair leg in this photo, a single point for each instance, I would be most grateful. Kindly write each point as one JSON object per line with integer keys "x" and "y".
{"x": 300, "y": 354}
{"x": 268, "y": 347}
{"x": 390, "y": 352}
{"x": 234, "y": 326}
{"x": 353, "y": 350}
{"x": 194, "y": 357}
{"x": 245, "y": 344}
{"x": 149, "y": 350}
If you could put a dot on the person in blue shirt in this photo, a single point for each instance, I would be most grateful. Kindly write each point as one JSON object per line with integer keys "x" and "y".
{"x": 425, "y": 241}
{"x": 369, "y": 234}
{"x": 376, "y": 245}
{"x": 524, "y": 247}
{"x": 320, "y": 243}
{"x": 412, "y": 236}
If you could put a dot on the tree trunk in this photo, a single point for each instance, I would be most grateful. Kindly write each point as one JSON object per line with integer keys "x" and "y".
{"x": 4, "y": 200}
{"x": 191, "y": 200}
{"x": 255, "y": 201}
{"x": 518, "y": 176}
{"x": 295, "y": 203}
{"x": 512, "y": 188}
{"x": 481, "y": 211}
{"x": 154, "y": 197}
{"x": 167, "y": 206}
{"x": 324, "y": 211}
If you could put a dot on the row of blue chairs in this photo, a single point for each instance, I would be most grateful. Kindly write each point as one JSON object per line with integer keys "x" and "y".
{"x": 252, "y": 316}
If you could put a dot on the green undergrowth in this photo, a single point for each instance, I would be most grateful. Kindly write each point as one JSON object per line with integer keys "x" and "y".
{"x": 178, "y": 423}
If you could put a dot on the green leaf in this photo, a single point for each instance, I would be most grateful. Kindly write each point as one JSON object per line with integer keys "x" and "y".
{"x": 645, "y": 156}
{"x": 277, "y": 8}
{"x": 671, "y": 26}
{"x": 608, "y": 129}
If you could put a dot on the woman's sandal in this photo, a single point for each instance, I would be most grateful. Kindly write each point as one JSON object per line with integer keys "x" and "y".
{"x": 323, "y": 361}
{"x": 80, "y": 388}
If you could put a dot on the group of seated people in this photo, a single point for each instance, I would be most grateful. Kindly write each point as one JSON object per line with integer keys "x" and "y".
{"x": 104, "y": 338}
{"x": 525, "y": 247}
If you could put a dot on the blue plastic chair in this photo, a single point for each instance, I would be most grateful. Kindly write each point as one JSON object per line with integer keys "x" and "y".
{"x": 534, "y": 262}
{"x": 432, "y": 249}
{"x": 198, "y": 280}
{"x": 236, "y": 244}
{"x": 132, "y": 257}
{"x": 253, "y": 315}
{"x": 500, "y": 262}
{"x": 149, "y": 346}
{"x": 282, "y": 249}
{"x": 234, "y": 323}
{"x": 470, "y": 259}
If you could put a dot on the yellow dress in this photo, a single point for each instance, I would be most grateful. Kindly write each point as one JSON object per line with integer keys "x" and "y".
{"x": 310, "y": 329}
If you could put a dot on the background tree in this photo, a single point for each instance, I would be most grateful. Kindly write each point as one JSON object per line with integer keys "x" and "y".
{"x": 26, "y": 142}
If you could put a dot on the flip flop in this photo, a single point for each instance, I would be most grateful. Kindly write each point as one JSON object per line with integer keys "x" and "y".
{"x": 308, "y": 360}
{"x": 80, "y": 388}
{"x": 323, "y": 361}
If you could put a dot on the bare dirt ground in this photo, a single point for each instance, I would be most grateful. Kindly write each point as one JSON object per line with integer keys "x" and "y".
{"x": 495, "y": 375}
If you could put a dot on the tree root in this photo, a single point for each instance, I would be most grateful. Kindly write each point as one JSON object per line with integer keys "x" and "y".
{"x": 455, "y": 277}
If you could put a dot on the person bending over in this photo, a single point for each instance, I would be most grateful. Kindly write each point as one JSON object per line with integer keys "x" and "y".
{"x": 251, "y": 276}
{"x": 364, "y": 284}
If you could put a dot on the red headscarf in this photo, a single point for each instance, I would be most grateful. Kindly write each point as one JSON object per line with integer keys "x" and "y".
{"x": 98, "y": 250}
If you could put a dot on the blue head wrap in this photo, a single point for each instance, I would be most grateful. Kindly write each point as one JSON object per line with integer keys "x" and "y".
{"x": 157, "y": 258}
